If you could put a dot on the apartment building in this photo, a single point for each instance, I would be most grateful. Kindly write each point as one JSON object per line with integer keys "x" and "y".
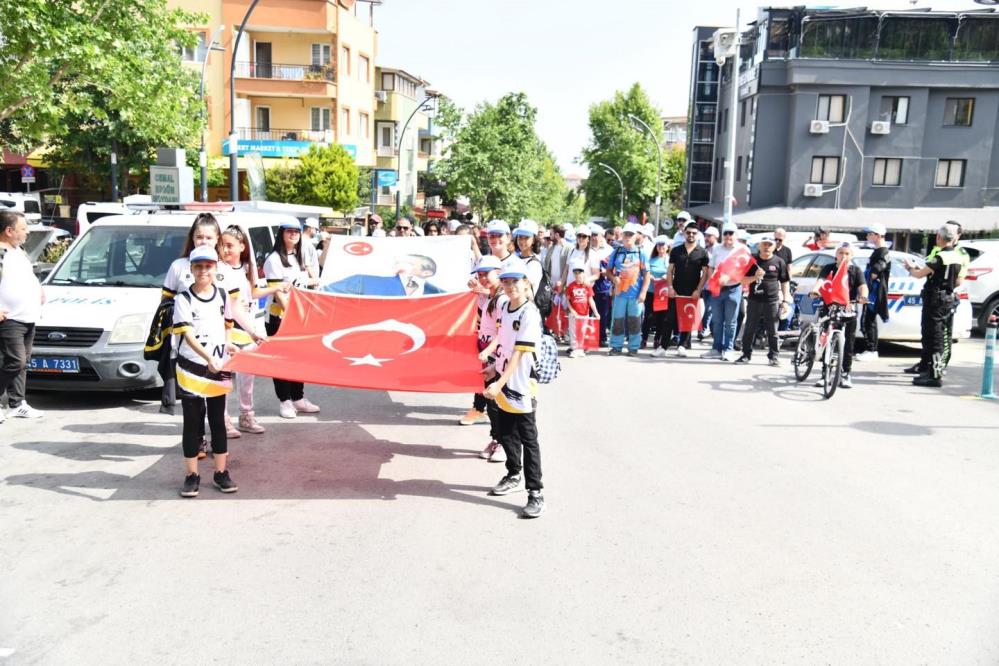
{"x": 848, "y": 117}
{"x": 674, "y": 132}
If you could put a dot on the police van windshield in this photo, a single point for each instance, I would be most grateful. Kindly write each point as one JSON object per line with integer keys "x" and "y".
{"x": 117, "y": 256}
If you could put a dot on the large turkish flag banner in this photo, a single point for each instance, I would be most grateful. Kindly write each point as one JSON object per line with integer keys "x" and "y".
{"x": 426, "y": 344}
{"x": 731, "y": 270}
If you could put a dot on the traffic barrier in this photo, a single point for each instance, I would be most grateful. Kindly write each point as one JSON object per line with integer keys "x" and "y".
{"x": 989, "y": 365}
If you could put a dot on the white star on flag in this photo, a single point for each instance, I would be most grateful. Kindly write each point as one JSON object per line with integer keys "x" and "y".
{"x": 368, "y": 360}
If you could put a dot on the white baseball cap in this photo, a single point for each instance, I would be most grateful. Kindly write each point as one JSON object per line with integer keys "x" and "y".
{"x": 526, "y": 228}
{"x": 568, "y": 229}
{"x": 453, "y": 225}
{"x": 631, "y": 228}
{"x": 878, "y": 229}
{"x": 312, "y": 222}
{"x": 596, "y": 229}
{"x": 487, "y": 263}
{"x": 497, "y": 227}
{"x": 684, "y": 215}
{"x": 514, "y": 267}
{"x": 204, "y": 253}
{"x": 663, "y": 240}
{"x": 711, "y": 231}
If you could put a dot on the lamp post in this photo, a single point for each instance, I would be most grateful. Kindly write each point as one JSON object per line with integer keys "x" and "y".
{"x": 398, "y": 151}
{"x": 659, "y": 155}
{"x": 233, "y": 139}
{"x": 202, "y": 157}
{"x": 620, "y": 182}
{"x": 114, "y": 170}
{"x": 730, "y": 158}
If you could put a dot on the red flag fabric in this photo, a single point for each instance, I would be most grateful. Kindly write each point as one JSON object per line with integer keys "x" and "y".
{"x": 837, "y": 290}
{"x": 688, "y": 313}
{"x": 423, "y": 344}
{"x": 558, "y": 320}
{"x": 731, "y": 270}
{"x": 587, "y": 332}
{"x": 661, "y": 300}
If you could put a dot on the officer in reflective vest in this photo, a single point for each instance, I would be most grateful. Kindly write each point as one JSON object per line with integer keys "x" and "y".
{"x": 942, "y": 273}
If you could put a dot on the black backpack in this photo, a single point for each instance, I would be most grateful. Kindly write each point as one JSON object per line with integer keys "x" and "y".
{"x": 543, "y": 299}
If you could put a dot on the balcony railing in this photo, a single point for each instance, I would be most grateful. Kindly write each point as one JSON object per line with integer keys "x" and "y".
{"x": 276, "y": 134}
{"x": 284, "y": 72}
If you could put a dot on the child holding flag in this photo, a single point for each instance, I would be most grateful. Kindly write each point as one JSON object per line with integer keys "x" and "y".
{"x": 581, "y": 304}
{"x": 844, "y": 287}
{"x": 491, "y": 303}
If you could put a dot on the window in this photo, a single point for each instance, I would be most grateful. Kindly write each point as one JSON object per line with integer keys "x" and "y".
{"x": 742, "y": 114}
{"x": 263, "y": 119}
{"x": 738, "y": 168}
{"x": 916, "y": 37}
{"x": 363, "y": 68}
{"x": 820, "y": 262}
{"x": 895, "y": 110}
{"x": 320, "y": 55}
{"x": 345, "y": 121}
{"x": 363, "y": 126}
{"x": 386, "y": 136}
{"x": 196, "y": 53}
{"x": 950, "y": 173}
{"x": 345, "y": 60}
{"x": 825, "y": 170}
{"x": 849, "y": 38}
{"x": 887, "y": 172}
{"x": 778, "y": 39}
{"x": 831, "y": 108}
{"x": 700, "y": 153}
{"x": 977, "y": 39}
{"x": 320, "y": 118}
{"x": 958, "y": 111}
{"x": 798, "y": 266}
{"x": 388, "y": 81}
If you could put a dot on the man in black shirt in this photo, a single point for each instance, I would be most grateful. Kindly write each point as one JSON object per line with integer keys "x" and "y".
{"x": 688, "y": 272}
{"x": 768, "y": 282}
{"x": 781, "y": 250}
{"x": 877, "y": 274}
{"x": 858, "y": 294}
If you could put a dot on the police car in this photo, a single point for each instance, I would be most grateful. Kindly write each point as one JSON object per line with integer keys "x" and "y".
{"x": 102, "y": 295}
{"x": 905, "y": 303}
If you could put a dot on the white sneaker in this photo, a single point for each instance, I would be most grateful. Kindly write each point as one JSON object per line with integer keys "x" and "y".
{"x": 303, "y": 406}
{"x": 287, "y": 410}
{"x": 3, "y": 417}
{"x": 681, "y": 351}
{"x": 658, "y": 352}
{"x": 26, "y": 411}
{"x": 844, "y": 382}
{"x": 711, "y": 353}
{"x": 576, "y": 353}
{"x": 487, "y": 453}
{"x": 729, "y": 356}
{"x": 498, "y": 455}
{"x": 866, "y": 356}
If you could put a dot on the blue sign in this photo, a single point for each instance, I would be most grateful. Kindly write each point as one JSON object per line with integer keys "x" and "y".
{"x": 351, "y": 149}
{"x": 387, "y": 178}
{"x": 269, "y": 148}
{"x": 27, "y": 171}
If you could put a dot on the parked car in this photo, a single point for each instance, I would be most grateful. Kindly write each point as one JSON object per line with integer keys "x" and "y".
{"x": 27, "y": 203}
{"x": 905, "y": 302}
{"x": 982, "y": 281}
{"x": 40, "y": 239}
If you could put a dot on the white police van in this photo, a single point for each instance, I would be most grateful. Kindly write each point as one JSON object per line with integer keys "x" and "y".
{"x": 905, "y": 302}
{"x": 102, "y": 295}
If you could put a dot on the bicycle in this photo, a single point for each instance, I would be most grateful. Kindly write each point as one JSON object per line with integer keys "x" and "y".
{"x": 824, "y": 338}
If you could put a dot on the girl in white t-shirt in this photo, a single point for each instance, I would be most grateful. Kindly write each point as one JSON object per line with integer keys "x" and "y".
{"x": 201, "y": 320}
{"x": 286, "y": 266}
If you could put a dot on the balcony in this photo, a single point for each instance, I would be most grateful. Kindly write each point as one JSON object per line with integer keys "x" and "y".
{"x": 283, "y": 79}
{"x": 276, "y": 142}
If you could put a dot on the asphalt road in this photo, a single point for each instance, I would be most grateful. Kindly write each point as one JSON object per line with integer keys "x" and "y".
{"x": 697, "y": 513}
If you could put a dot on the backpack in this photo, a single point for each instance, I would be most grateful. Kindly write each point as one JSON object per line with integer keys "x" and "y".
{"x": 544, "y": 298}
{"x": 546, "y": 361}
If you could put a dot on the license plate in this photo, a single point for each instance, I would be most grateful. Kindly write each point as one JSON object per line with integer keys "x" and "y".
{"x": 914, "y": 300}
{"x": 53, "y": 364}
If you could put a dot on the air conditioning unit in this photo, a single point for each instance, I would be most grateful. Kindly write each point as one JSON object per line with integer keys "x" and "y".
{"x": 381, "y": 95}
{"x": 881, "y": 127}
{"x": 819, "y": 127}
{"x": 813, "y": 190}
{"x": 724, "y": 42}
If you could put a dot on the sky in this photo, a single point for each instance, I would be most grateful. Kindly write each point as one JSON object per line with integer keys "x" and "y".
{"x": 565, "y": 54}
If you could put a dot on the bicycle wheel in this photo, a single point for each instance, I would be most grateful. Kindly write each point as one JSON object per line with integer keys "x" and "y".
{"x": 804, "y": 354}
{"x": 834, "y": 364}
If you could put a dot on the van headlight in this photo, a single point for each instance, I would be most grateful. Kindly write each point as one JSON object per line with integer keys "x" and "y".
{"x": 129, "y": 329}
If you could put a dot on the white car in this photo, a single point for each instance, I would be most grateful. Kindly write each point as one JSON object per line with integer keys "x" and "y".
{"x": 982, "y": 281}
{"x": 905, "y": 303}
{"x": 28, "y": 204}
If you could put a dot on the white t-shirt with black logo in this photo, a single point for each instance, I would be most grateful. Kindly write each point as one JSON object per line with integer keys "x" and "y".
{"x": 519, "y": 330}
{"x": 275, "y": 272}
{"x": 206, "y": 318}
{"x": 233, "y": 280}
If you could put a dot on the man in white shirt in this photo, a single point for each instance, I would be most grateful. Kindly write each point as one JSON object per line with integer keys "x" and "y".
{"x": 21, "y": 300}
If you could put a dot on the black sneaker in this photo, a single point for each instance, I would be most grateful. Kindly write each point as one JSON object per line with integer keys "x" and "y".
{"x": 224, "y": 483}
{"x": 742, "y": 360}
{"x": 192, "y": 482}
{"x": 632, "y": 352}
{"x": 167, "y": 409}
{"x": 774, "y": 363}
{"x": 914, "y": 370}
{"x": 614, "y": 352}
{"x": 535, "y": 504}
{"x": 508, "y": 484}
{"x": 927, "y": 380}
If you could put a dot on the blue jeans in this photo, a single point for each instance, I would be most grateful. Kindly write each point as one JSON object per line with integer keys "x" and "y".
{"x": 724, "y": 317}
{"x": 626, "y": 319}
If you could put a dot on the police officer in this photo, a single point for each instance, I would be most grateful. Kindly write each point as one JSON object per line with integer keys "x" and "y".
{"x": 942, "y": 270}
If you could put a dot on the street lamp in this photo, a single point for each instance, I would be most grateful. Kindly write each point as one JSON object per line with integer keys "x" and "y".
{"x": 608, "y": 168}
{"x": 720, "y": 58}
{"x": 659, "y": 155}
{"x": 202, "y": 157}
{"x": 233, "y": 139}
{"x": 422, "y": 106}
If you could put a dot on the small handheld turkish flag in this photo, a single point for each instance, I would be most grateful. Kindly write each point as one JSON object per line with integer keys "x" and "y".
{"x": 731, "y": 270}
{"x": 661, "y": 301}
{"x": 837, "y": 290}
{"x": 558, "y": 320}
{"x": 688, "y": 313}
{"x": 587, "y": 330}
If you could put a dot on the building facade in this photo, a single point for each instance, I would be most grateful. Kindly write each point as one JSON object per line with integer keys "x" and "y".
{"x": 674, "y": 132}
{"x": 701, "y": 120}
{"x": 398, "y": 95}
{"x": 843, "y": 111}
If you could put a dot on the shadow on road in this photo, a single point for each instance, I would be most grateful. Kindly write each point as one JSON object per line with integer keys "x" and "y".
{"x": 894, "y": 428}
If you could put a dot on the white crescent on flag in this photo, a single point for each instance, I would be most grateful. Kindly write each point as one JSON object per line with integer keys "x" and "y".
{"x": 415, "y": 334}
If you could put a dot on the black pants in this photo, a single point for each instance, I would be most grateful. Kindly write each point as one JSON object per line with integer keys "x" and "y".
{"x": 16, "y": 339}
{"x": 603, "y": 302}
{"x": 479, "y": 402}
{"x": 660, "y": 325}
{"x": 195, "y": 410}
{"x": 284, "y": 389}
{"x": 167, "y": 369}
{"x": 937, "y": 310}
{"x": 869, "y": 327}
{"x": 518, "y": 433}
{"x": 849, "y": 340}
{"x": 761, "y": 313}
{"x": 670, "y": 327}
{"x": 649, "y": 320}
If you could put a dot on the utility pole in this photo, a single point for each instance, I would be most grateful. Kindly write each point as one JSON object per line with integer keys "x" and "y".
{"x": 620, "y": 182}
{"x": 398, "y": 152}
{"x": 202, "y": 157}
{"x": 233, "y": 137}
{"x": 659, "y": 173}
{"x": 730, "y": 157}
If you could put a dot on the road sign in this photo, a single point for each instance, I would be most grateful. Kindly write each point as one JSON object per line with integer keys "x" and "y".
{"x": 27, "y": 174}
{"x": 387, "y": 178}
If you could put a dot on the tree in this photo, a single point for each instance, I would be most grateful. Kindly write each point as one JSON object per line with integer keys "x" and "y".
{"x": 327, "y": 176}
{"x": 674, "y": 175}
{"x": 615, "y": 141}
{"x": 283, "y": 183}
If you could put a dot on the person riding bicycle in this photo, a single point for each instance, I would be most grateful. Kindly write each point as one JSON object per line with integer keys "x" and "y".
{"x": 858, "y": 294}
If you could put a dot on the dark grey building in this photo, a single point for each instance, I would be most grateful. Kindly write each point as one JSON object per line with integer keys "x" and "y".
{"x": 847, "y": 117}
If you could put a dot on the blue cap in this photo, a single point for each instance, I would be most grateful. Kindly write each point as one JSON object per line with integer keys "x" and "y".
{"x": 204, "y": 253}
{"x": 291, "y": 224}
{"x": 487, "y": 263}
{"x": 513, "y": 268}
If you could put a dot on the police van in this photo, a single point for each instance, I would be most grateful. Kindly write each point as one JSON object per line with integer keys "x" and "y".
{"x": 905, "y": 301}
{"x": 103, "y": 293}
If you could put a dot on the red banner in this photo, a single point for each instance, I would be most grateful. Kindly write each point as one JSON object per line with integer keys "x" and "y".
{"x": 731, "y": 270}
{"x": 426, "y": 344}
{"x": 558, "y": 320}
{"x": 661, "y": 300}
{"x": 688, "y": 313}
{"x": 587, "y": 332}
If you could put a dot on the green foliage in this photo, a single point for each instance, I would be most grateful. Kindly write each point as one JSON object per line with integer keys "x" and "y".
{"x": 81, "y": 75}
{"x": 615, "y": 142}
{"x": 215, "y": 170}
{"x": 496, "y": 159}
{"x": 389, "y": 218}
{"x": 364, "y": 185}
{"x": 674, "y": 172}
{"x": 283, "y": 183}
{"x": 328, "y": 177}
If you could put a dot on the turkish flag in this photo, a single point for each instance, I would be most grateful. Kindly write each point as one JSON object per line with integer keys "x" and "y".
{"x": 587, "y": 332}
{"x": 688, "y": 313}
{"x": 426, "y": 344}
{"x": 661, "y": 300}
{"x": 731, "y": 270}
{"x": 558, "y": 319}
{"x": 837, "y": 290}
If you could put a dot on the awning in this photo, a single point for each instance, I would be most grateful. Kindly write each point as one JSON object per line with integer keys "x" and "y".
{"x": 974, "y": 220}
